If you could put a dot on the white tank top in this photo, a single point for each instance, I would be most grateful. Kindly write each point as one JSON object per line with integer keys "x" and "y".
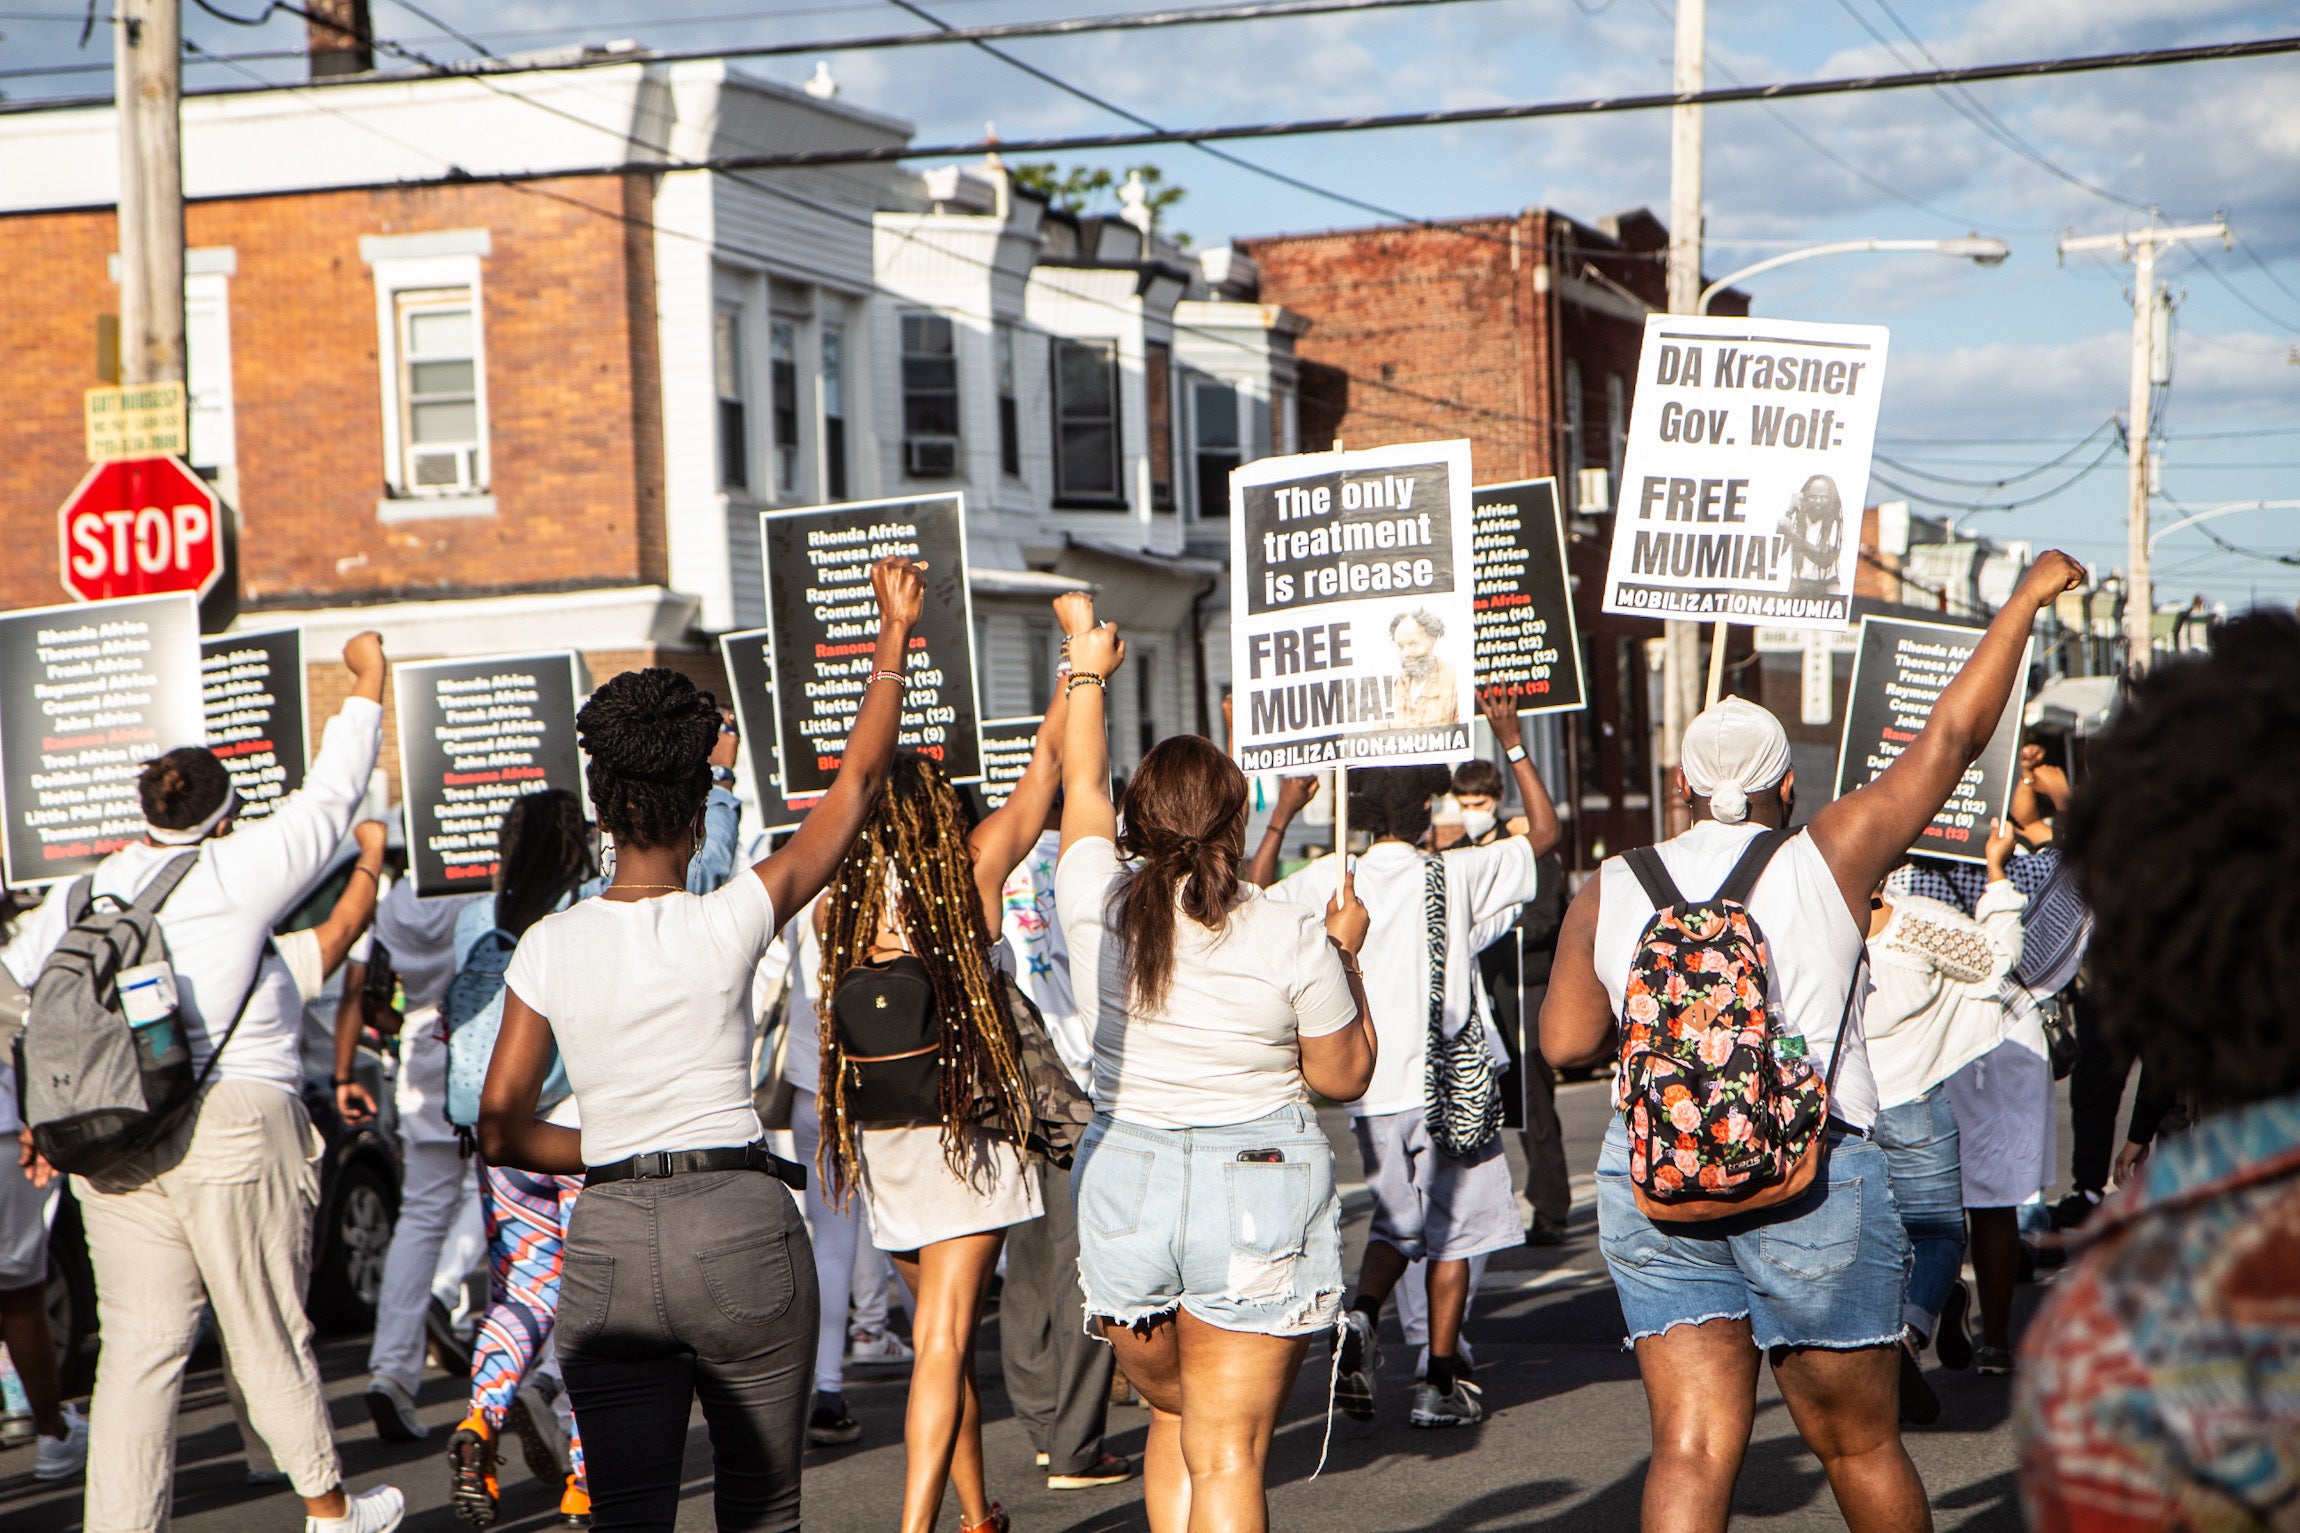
{"x": 1809, "y": 934}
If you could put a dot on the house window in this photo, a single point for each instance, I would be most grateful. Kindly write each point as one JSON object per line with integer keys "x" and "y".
{"x": 439, "y": 391}
{"x": 1574, "y": 458}
{"x": 1009, "y": 412}
{"x": 208, "y": 370}
{"x": 834, "y": 412}
{"x": 1042, "y": 644}
{"x": 1145, "y": 703}
{"x": 727, "y": 380}
{"x": 1216, "y": 410}
{"x": 929, "y": 397}
{"x": 1616, "y": 422}
{"x": 1158, "y": 384}
{"x": 1087, "y": 456}
{"x": 783, "y": 378}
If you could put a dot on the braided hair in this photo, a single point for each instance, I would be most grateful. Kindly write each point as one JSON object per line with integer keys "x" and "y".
{"x": 649, "y": 736}
{"x": 914, "y": 846}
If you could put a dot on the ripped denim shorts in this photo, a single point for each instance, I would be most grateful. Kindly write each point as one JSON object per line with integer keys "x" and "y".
{"x": 1205, "y": 1219}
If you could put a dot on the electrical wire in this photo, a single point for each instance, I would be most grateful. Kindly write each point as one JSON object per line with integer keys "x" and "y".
{"x": 1986, "y": 485}
{"x": 1975, "y": 507}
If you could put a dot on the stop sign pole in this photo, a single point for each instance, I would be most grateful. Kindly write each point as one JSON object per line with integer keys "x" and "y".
{"x": 140, "y": 527}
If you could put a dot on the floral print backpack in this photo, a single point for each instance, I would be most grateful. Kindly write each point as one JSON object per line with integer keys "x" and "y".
{"x": 1723, "y": 1105}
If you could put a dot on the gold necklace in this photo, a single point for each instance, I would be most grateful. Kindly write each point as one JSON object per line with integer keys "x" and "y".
{"x": 667, "y": 888}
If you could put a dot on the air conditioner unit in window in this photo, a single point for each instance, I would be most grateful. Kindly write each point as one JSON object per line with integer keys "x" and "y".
{"x": 1593, "y": 493}
{"x": 930, "y": 457}
{"x": 443, "y": 468}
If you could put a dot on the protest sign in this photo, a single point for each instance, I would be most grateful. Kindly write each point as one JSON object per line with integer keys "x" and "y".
{"x": 823, "y": 625}
{"x": 751, "y": 678}
{"x": 1899, "y": 670}
{"x": 1526, "y": 640}
{"x": 1747, "y": 467}
{"x": 473, "y": 736}
{"x": 89, "y": 693}
{"x": 1351, "y": 632}
{"x": 1007, "y": 746}
{"x": 259, "y": 726}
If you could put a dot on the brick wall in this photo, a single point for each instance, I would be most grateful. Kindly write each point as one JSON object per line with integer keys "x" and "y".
{"x": 573, "y": 407}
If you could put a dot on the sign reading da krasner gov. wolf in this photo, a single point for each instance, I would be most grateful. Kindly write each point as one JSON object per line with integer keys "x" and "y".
{"x": 1900, "y": 669}
{"x": 1746, "y": 471}
{"x": 1351, "y": 632}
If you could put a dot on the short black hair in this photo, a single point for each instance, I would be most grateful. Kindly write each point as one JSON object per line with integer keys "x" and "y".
{"x": 649, "y": 734}
{"x": 183, "y": 787}
{"x": 1395, "y": 801}
{"x": 1477, "y": 775}
{"x": 2185, "y": 833}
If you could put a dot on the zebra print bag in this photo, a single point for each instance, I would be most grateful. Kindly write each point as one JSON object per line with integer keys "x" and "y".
{"x": 1462, "y": 1090}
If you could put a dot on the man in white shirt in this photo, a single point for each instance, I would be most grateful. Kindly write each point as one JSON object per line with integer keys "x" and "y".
{"x": 1427, "y": 1204}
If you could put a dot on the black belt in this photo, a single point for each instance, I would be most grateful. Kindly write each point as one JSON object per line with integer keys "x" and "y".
{"x": 657, "y": 1164}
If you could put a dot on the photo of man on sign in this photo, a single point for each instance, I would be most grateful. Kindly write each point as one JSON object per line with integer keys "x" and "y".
{"x": 1428, "y": 693}
{"x": 1814, "y": 530}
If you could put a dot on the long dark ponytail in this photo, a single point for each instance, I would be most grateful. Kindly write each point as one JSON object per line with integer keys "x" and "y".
{"x": 1183, "y": 824}
{"x": 543, "y": 854}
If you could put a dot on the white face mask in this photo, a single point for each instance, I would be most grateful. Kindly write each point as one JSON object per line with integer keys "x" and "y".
{"x": 1476, "y": 823}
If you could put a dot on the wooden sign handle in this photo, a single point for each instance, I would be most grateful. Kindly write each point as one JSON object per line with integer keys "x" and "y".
{"x": 1716, "y": 662}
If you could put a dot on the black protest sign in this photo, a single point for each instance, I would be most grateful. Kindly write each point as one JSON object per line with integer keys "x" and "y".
{"x": 1007, "y": 746}
{"x": 1526, "y": 640}
{"x": 822, "y": 625}
{"x": 473, "y": 736}
{"x": 1899, "y": 670}
{"x": 751, "y": 677}
{"x": 258, "y": 717}
{"x": 88, "y": 694}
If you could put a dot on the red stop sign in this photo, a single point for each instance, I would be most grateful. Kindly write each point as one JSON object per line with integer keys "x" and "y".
{"x": 138, "y": 527}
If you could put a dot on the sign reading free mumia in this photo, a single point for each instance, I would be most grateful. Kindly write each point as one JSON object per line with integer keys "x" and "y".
{"x": 473, "y": 736}
{"x": 88, "y": 693}
{"x": 1746, "y": 470}
{"x": 1900, "y": 668}
{"x": 1352, "y": 638}
{"x": 822, "y": 622}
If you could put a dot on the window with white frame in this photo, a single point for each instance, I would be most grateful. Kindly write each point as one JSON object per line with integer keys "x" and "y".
{"x": 929, "y": 396}
{"x": 208, "y": 370}
{"x": 783, "y": 379}
{"x": 442, "y": 434}
{"x": 834, "y": 412}
{"x": 1009, "y": 408}
{"x": 728, "y": 384}
{"x": 1088, "y": 455}
{"x": 1220, "y": 447}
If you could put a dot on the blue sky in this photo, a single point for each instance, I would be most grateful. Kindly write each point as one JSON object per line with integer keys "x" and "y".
{"x": 1995, "y": 371}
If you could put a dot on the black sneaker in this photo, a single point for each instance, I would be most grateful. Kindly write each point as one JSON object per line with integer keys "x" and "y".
{"x": 471, "y": 1482}
{"x": 1952, "y": 1343}
{"x": 1545, "y": 1231}
{"x": 2074, "y": 1209}
{"x": 1993, "y": 1362}
{"x": 830, "y": 1426}
{"x": 1920, "y": 1407}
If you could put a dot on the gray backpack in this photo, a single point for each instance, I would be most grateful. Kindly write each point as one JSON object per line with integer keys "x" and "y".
{"x": 96, "y": 1089}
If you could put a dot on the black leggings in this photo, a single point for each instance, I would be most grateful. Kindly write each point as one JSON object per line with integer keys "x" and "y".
{"x": 699, "y": 1285}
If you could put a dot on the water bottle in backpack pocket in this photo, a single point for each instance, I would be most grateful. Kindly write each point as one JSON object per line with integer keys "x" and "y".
{"x": 471, "y": 1013}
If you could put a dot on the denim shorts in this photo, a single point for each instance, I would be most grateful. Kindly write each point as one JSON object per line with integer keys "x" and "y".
{"x": 1826, "y": 1270}
{"x": 1173, "y": 1218}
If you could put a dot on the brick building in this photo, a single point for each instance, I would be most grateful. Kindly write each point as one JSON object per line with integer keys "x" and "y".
{"x": 1519, "y": 332}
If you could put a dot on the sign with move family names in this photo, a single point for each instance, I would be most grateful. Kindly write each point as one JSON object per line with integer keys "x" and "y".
{"x": 1525, "y": 634}
{"x": 822, "y": 625}
{"x": 258, "y": 717}
{"x": 88, "y": 693}
{"x": 1746, "y": 471}
{"x": 1899, "y": 670}
{"x": 473, "y": 736}
{"x": 751, "y": 677}
{"x": 1352, "y": 638}
{"x": 1007, "y": 746}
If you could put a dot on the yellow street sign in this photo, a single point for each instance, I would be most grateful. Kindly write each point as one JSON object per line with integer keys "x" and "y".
{"x": 144, "y": 420}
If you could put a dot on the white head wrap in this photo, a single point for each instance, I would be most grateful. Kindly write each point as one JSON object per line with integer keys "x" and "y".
{"x": 193, "y": 835}
{"x": 1732, "y": 750}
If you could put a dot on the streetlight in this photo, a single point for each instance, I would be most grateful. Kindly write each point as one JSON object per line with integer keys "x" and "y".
{"x": 1982, "y": 250}
{"x": 2230, "y": 509}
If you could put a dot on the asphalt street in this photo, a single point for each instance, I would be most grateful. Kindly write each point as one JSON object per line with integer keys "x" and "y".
{"x": 1564, "y": 1446}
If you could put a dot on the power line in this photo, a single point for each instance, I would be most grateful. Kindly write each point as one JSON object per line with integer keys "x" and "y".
{"x": 1974, "y": 506}
{"x": 1986, "y": 485}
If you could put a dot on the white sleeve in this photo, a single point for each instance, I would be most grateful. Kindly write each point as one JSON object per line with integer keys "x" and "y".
{"x": 1999, "y": 911}
{"x": 1321, "y": 991}
{"x": 529, "y": 972}
{"x": 1496, "y": 877}
{"x": 300, "y": 951}
{"x": 1082, "y": 880}
{"x": 37, "y": 934}
{"x": 1311, "y": 887}
{"x": 266, "y": 865}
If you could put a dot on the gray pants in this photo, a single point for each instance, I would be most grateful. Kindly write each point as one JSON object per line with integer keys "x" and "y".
{"x": 1548, "y": 1184}
{"x": 700, "y": 1285}
{"x": 1057, "y": 1376}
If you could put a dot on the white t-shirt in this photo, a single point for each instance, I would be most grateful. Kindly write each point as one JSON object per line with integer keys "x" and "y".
{"x": 218, "y": 922}
{"x": 1484, "y": 885}
{"x": 1031, "y": 930}
{"x": 798, "y": 958}
{"x": 1810, "y": 938}
{"x": 1225, "y": 1047}
{"x": 419, "y": 934}
{"x": 650, "y": 1003}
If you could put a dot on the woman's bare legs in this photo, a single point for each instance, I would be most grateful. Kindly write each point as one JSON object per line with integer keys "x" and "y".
{"x": 1701, "y": 1391}
{"x": 1152, "y": 1362}
{"x": 942, "y": 1430}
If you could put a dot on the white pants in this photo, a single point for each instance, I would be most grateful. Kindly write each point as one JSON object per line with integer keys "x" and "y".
{"x": 437, "y": 1188}
{"x": 227, "y": 1222}
{"x": 846, "y": 1263}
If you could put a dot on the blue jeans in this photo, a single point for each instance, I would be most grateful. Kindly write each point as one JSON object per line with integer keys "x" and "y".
{"x": 1919, "y": 1139}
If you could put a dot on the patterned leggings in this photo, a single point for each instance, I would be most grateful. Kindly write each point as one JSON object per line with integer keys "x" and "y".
{"x": 526, "y": 1236}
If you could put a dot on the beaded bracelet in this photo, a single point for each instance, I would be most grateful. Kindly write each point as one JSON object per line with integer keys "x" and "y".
{"x": 1085, "y": 678}
{"x": 894, "y": 676}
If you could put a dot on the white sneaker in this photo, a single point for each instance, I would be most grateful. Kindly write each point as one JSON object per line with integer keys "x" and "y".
{"x": 878, "y": 1349}
{"x": 1361, "y": 1361}
{"x": 1461, "y": 1408}
{"x": 392, "y": 1409}
{"x": 370, "y": 1511}
{"x": 60, "y": 1458}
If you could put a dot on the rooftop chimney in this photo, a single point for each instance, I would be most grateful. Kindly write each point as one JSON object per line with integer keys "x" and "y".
{"x": 339, "y": 38}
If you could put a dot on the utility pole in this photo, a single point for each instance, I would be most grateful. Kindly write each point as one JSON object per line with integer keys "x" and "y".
{"x": 1681, "y": 643}
{"x": 2141, "y": 248}
{"x": 148, "y": 81}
